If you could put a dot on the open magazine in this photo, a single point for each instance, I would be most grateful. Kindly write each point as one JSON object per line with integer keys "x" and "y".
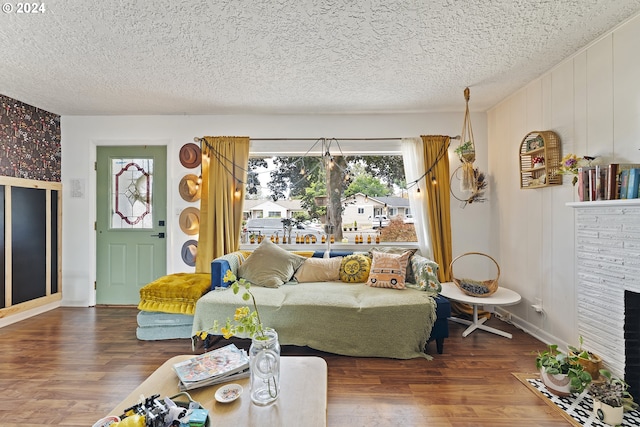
{"x": 216, "y": 366}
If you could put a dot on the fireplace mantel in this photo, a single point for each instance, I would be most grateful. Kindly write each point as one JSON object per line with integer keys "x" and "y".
{"x": 605, "y": 203}
{"x": 607, "y": 251}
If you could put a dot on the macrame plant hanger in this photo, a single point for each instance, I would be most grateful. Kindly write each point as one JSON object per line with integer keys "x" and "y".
{"x": 467, "y": 150}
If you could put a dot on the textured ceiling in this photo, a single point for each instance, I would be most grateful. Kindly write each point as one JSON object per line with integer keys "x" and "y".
{"x": 289, "y": 56}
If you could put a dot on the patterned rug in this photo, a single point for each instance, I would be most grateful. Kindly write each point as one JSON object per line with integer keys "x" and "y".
{"x": 577, "y": 409}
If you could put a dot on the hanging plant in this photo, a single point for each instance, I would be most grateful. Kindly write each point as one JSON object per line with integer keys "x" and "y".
{"x": 467, "y": 150}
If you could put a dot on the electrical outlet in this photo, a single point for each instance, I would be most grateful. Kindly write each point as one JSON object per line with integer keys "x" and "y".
{"x": 504, "y": 316}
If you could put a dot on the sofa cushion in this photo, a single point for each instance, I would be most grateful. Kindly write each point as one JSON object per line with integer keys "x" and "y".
{"x": 409, "y": 276}
{"x": 355, "y": 268}
{"x": 270, "y": 265}
{"x": 426, "y": 273}
{"x": 388, "y": 270}
{"x": 319, "y": 270}
{"x": 174, "y": 293}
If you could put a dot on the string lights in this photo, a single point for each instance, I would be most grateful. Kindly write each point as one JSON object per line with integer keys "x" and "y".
{"x": 329, "y": 162}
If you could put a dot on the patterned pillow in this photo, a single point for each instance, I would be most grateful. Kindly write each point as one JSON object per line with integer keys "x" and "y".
{"x": 426, "y": 272}
{"x": 355, "y": 268}
{"x": 388, "y": 270}
{"x": 409, "y": 277}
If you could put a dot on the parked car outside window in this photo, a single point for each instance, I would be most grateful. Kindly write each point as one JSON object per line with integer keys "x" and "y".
{"x": 380, "y": 221}
{"x": 269, "y": 226}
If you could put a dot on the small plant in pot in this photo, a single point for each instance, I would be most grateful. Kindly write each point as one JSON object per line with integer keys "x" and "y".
{"x": 561, "y": 373}
{"x": 611, "y": 398}
{"x": 592, "y": 362}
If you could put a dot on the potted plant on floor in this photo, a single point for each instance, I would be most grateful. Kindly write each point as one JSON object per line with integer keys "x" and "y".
{"x": 592, "y": 362}
{"x": 561, "y": 373}
{"x": 610, "y": 398}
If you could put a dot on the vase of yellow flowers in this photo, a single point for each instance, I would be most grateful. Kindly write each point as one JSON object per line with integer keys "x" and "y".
{"x": 264, "y": 353}
{"x": 264, "y": 367}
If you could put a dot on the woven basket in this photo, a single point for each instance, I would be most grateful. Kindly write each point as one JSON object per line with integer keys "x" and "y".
{"x": 476, "y": 288}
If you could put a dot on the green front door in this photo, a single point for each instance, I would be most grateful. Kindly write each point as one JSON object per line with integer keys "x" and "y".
{"x": 131, "y": 221}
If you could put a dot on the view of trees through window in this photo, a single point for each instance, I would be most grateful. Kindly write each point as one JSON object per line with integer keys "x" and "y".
{"x": 354, "y": 195}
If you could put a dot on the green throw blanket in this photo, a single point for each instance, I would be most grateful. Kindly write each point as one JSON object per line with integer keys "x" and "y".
{"x": 336, "y": 317}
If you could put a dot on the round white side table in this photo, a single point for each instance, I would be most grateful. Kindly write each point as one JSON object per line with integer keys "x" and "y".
{"x": 502, "y": 296}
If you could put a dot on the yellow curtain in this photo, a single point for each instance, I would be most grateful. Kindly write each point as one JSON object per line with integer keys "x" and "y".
{"x": 438, "y": 201}
{"x": 224, "y": 172}
{"x": 439, "y": 207}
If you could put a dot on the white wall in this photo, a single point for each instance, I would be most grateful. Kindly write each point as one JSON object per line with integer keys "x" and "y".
{"x": 592, "y": 100}
{"x": 81, "y": 135}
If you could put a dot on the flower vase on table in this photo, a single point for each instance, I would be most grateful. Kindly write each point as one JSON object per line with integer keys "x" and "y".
{"x": 264, "y": 353}
{"x": 264, "y": 357}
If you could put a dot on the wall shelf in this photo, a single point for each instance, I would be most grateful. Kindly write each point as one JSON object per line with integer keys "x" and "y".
{"x": 546, "y": 146}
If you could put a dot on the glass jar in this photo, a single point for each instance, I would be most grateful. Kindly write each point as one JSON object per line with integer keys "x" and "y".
{"x": 264, "y": 358}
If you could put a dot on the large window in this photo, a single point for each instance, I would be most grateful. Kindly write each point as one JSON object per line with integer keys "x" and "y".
{"x": 346, "y": 192}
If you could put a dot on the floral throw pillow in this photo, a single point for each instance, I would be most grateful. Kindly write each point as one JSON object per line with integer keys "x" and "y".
{"x": 388, "y": 270}
{"x": 355, "y": 268}
{"x": 426, "y": 274}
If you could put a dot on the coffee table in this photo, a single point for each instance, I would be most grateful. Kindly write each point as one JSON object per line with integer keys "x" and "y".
{"x": 303, "y": 395}
{"x": 502, "y": 296}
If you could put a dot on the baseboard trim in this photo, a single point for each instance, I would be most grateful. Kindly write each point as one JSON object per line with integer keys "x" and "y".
{"x": 25, "y": 314}
{"x": 530, "y": 329}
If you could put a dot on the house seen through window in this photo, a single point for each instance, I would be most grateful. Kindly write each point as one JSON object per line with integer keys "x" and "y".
{"x": 358, "y": 197}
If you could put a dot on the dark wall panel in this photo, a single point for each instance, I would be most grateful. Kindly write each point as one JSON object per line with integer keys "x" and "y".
{"x": 28, "y": 242}
{"x": 2, "y": 248}
{"x": 54, "y": 241}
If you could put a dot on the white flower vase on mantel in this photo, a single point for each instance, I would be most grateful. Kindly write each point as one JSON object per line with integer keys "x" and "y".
{"x": 264, "y": 358}
{"x": 608, "y": 414}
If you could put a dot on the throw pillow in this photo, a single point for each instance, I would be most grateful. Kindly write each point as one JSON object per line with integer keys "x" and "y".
{"x": 388, "y": 270}
{"x": 409, "y": 277}
{"x": 269, "y": 265}
{"x": 319, "y": 270}
{"x": 355, "y": 268}
{"x": 426, "y": 272}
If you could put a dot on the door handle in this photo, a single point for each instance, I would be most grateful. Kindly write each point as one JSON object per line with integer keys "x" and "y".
{"x": 160, "y": 235}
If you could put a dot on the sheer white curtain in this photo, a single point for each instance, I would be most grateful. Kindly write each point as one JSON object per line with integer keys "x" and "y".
{"x": 413, "y": 158}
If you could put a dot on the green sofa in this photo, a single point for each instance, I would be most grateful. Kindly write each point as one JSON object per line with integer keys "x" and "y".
{"x": 350, "y": 319}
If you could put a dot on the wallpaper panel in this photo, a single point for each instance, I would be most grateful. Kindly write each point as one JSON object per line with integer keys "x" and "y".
{"x": 29, "y": 141}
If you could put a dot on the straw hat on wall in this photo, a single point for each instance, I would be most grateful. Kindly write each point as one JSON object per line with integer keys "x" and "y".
{"x": 189, "y": 252}
{"x": 190, "y": 156}
{"x": 190, "y": 220}
{"x": 189, "y": 188}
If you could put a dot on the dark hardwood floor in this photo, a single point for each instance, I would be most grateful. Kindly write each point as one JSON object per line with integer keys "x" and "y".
{"x": 70, "y": 366}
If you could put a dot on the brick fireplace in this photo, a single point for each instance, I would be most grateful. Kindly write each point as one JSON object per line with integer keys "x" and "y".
{"x": 608, "y": 283}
